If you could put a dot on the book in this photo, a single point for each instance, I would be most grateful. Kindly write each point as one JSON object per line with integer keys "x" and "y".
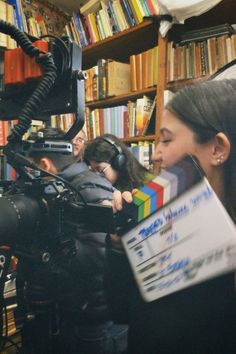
{"x": 119, "y": 15}
{"x": 149, "y": 116}
{"x": 118, "y": 78}
{"x": 17, "y": 7}
{"x": 205, "y": 33}
{"x": 139, "y": 77}
{"x": 93, "y": 25}
{"x": 79, "y": 26}
{"x": 102, "y": 79}
{"x": 105, "y": 20}
{"x": 145, "y": 69}
{"x": 112, "y": 18}
{"x": 133, "y": 74}
{"x": 10, "y": 17}
{"x": 143, "y": 108}
{"x": 3, "y": 12}
{"x": 137, "y": 10}
{"x": 128, "y": 13}
{"x": 90, "y": 6}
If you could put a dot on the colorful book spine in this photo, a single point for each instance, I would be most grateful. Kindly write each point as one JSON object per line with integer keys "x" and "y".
{"x": 128, "y": 13}
{"x": 80, "y": 29}
{"x": 17, "y": 7}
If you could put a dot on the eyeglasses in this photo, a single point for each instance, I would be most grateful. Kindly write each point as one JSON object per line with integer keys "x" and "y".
{"x": 101, "y": 172}
{"x": 78, "y": 140}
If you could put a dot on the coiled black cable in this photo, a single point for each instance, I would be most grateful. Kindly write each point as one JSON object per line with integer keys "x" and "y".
{"x": 44, "y": 86}
{"x": 64, "y": 53}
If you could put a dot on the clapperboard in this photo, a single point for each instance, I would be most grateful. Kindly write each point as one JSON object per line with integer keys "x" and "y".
{"x": 177, "y": 233}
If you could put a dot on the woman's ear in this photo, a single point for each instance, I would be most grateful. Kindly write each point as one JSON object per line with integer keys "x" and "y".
{"x": 221, "y": 149}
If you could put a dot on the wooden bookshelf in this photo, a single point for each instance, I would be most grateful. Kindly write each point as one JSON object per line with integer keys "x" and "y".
{"x": 177, "y": 85}
{"x": 116, "y": 100}
{"x": 222, "y": 13}
{"x": 122, "y": 44}
{"x": 139, "y": 138}
{"x": 120, "y": 47}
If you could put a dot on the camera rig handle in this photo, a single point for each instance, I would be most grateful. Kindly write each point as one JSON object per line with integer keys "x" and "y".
{"x": 59, "y": 90}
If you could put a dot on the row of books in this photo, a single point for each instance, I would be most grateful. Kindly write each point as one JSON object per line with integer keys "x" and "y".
{"x": 143, "y": 69}
{"x": 203, "y": 55}
{"x": 7, "y": 14}
{"x": 34, "y": 17}
{"x": 41, "y": 17}
{"x": 134, "y": 119}
{"x": 143, "y": 152}
{"x": 99, "y": 19}
{"x": 62, "y": 121}
{"x": 112, "y": 78}
{"x": 9, "y": 325}
{"x": 106, "y": 79}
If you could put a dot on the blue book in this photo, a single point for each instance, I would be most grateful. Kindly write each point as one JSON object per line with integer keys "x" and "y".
{"x": 128, "y": 13}
{"x": 17, "y": 9}
{"x": 81, "y": 32}
{"x": 113, "y": 20}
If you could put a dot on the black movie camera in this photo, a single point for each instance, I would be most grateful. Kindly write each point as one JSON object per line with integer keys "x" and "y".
{"x": 39, "y": 215}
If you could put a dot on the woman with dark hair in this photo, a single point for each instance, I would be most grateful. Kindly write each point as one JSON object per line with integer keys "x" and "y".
{"x": 109, "y": 157}
{"x": 201, "y": 319}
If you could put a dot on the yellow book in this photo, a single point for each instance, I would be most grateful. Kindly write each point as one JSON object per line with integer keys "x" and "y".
{"x": 33, "y": 27}
{"x": 92, "y": 21}
{"x": 118, "y": 78}
{"x": 97, "y": 123}
{"x": 11, "y": 44}
{"x": 150, "y": 58}
{"x": 3, "y": 12}
{"x": 155, "y": 65}
{"x": 133, "y": 73}
{"x": 137, "y": 10}
{"x": 121, "y": 15}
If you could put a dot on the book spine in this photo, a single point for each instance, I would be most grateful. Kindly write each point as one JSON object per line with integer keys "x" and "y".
{"x": 80, "y": 29}
{"x": 17, "y": 7}
{"x": 113, "y": 20}
{"x": 129, "y": 12}
{"x": 101, "y": 78}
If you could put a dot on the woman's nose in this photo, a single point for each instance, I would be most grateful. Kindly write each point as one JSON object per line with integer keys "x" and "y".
{"x": 156, "y": 156}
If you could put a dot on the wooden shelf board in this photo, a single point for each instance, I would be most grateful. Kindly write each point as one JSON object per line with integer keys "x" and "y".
{"x": 139, "y": 138}
{"x": 177, "y": 85}
{"x": 122, "y": 44}
{"x": 112, "y": 101}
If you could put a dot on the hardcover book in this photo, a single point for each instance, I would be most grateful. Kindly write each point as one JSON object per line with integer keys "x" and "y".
{"x": 118, "y": 78}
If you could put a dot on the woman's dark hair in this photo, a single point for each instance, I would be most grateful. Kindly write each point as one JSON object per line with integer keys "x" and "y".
{"x": 131, "y": 175}
{"x": 209, "y": 108}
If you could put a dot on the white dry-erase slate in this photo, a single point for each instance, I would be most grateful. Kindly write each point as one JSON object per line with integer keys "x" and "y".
{"x": 188, "y": 241}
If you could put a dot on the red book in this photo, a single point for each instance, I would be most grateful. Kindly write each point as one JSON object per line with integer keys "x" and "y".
{"x": 33, "y": 70}
{"x": 14, "y": 66}
{"x": 150, "y": 7}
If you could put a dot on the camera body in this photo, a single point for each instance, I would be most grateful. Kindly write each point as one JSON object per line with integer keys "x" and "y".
{"x": 41, "y": 213}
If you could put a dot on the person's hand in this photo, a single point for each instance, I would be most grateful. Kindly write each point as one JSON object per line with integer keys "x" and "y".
{"x": 119, "y": 198}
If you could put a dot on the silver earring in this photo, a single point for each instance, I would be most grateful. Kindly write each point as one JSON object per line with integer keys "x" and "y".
{"x": 220, "y": 160}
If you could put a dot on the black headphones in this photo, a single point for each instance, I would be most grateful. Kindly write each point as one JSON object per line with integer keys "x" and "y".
{"x": 118, "y": 161}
